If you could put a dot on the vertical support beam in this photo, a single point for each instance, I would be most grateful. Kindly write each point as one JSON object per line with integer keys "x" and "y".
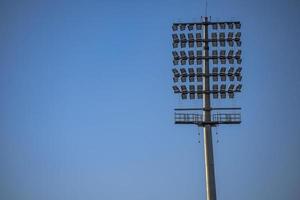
{"x": 208, "y": 144}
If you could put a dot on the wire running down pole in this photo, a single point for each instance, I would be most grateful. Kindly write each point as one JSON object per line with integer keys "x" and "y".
{"x": 208, "y": 144}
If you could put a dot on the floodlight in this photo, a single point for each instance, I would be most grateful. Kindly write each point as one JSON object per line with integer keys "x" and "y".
{"x": 191, "y": 57}
{"x": 192, "y": 92}
{"x": 238, "y": 39}
{"x": 223, "y": 91}
{"x": 223, "y": 73}
{"x": 222, "y": 39}
{"x": 176, "y": 74}
{"x": 238, "y": 74}
{"x": 230, "y": 39}
{"x": 230, "y": 91}
{"x": 175, "y": 38}
{"x": 238, "y": 88}
{"x": 230, "y": 25}
{"x": 215, "y": 73}
{"x": 191, "y": 74}
{"x": 238, "y": 53}
{"x": 230, "y": 88}
{"x": 198, "y": 26}
{"x": 175, "y": 27}
{"x": 175, "y": 79}
{"x": 183, "y": 74}
{"x": 223, "y": 56}
{"x": 175, "y": 55}
{"x": 191, "y": 40}
{"x": 191, "y": 37}
{"x": 237, "y": 25}
{"x": 215, "y": 53}
{"x": 199, "y": 91}
{"x": 215, "y": 56}
{"x": 230, "y": 54}
{"x": 222, "y": 53}
{"x": 182, "y": 27}
{"x": 222, "y": 25}
{"x": 176, "y": 89}
{"x": 215, "y": 91}
{"x": 222, "y": 36}
{"x": 199, "y": 74}
{"x": 183, "y": 89}
{"x": 214, "y": 39}
{"x": 190, "y": 27}
{"x": 238, "y": 71}
{"x": 198, "y": 39}
{"x": 215, "y": 26}
{"x": 175, "y": 45}
{"x": 239, "y": 61}
{"x": 183, "y": 40}
{"x": 214, "y": 35}
{"x": 183, "y": 55}
{"x": 199, "y": 57}
{"x": 231, "y": 74}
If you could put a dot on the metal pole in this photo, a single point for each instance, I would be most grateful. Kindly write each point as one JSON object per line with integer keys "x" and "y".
{"x": 208, "y": 144}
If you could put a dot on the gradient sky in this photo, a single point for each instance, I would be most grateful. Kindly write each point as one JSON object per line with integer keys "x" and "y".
{"x": 86, "y": 107}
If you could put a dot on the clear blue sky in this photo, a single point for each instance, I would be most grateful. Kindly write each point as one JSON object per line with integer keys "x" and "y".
{"x": 86, "y": 107}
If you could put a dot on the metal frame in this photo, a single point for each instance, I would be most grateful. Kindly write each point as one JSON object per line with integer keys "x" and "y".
{"x": 207, "y": 120}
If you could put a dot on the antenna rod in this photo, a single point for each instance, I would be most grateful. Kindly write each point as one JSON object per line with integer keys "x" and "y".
{"x": 205, "y": 8}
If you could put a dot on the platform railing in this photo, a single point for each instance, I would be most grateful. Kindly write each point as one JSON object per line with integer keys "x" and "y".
{"x": 218, "y": 118}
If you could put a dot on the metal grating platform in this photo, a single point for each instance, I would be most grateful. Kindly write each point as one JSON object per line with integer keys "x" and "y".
{"x": 197, "y": 119}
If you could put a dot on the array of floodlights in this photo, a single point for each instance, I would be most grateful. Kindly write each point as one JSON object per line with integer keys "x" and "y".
{"x": 216, "y": 38}
{"x": 196, "y": 56}
{"x": 198, "y": 26}
{"x": 215, "y": 56}
{"x": 192, "y": 91}
{"x": 195, "y": 75}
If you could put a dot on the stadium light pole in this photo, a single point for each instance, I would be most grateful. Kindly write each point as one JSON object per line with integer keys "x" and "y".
{"x": 208, "y": 143}
{"x": 202, "y": 73}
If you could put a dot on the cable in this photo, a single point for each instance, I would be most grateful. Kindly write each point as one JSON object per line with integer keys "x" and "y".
{"x": 199, "y": 141}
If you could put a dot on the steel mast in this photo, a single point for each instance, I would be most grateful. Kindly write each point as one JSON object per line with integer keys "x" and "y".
{"x": 208, "y": 143}
{"x": 192, "y": 68}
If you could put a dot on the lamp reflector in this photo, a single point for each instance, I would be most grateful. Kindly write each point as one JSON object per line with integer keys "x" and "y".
{"x": 199, "y": 91}
{"x": 215, "y": 91}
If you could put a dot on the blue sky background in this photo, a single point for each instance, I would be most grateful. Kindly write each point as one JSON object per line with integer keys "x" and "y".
{"x": 86, "y": 107}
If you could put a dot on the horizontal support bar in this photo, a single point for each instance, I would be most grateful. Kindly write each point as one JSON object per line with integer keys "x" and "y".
{"x": 187, "y": 109}
{"x": 208, "y": 40}
{"x": 208, "y": 57}
{"x": 209, "y": 92}
{"x": 203, "y": 23}
{"x": 210, "y": 74}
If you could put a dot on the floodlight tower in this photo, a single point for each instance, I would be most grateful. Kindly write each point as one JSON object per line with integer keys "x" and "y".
{"x": 198, "y": 50}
